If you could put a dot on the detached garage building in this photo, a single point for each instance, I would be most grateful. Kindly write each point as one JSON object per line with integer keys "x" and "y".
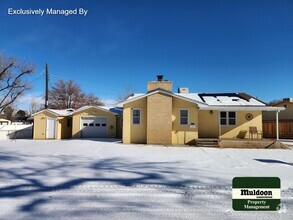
{"x": 53, "y": 124}
{"x": 85, "y": 122}
{"x": 97, "y": 122}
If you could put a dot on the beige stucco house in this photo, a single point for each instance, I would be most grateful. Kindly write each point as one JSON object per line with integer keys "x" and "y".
{"x": 97, "y": 122}
{"x": 287, "y": 114}
{"x": 4, "y": 121}
{"x": 162, "y": 117}
{"x": 285, "y": 120}
{"x": 86, "y": 122}
{"x": 52, "y": 124}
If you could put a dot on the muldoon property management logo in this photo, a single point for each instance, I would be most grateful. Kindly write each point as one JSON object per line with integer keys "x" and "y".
{"x": 256, "y": 193}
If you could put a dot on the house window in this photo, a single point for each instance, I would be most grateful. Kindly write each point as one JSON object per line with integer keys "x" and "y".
{"x": 69, "y": 122}
{"x": 136, "y": 116}
{"x": 183, "y": 117}
{"x": 228, "y": 118}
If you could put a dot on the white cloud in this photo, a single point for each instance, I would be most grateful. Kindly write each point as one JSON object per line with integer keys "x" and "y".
{"x": 24, "y": 101}
{"x": 109, "y": 101}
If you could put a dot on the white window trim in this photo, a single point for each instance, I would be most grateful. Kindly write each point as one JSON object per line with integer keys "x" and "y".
{"x": 227, "y": 118}
{"x": 180, "y": 117}
{"x": 139, "y": 116}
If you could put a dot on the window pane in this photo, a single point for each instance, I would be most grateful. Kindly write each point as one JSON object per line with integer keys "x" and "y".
{"x": 183, "y": 113}
{"x": 184, "y": 121}
{"x": 136, "y": 112}
{"x": 183, "y": 117}
{"x": 84, "y": 124}
{"x": 232, "y": 114}
{"x": 91, "y": 124}
{"x": 103, "y": 125}
{"x": 223, "y": 114}
{"x": 223, "y": 121}
{"x": 136, "y": 120}
{"x": 232, "y": 121}
{"x": 136, "y": 116}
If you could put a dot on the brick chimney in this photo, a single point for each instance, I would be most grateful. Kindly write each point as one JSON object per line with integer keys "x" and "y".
{"x": 160, "y": 83}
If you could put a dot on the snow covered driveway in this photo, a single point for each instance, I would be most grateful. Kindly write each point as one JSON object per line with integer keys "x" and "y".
{"x": 92, "y": 179}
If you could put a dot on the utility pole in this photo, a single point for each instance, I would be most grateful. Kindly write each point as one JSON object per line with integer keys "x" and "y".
{"x": 47, "y": 87}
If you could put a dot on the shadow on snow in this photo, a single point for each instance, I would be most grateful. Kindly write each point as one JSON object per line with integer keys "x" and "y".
{"x": 29, "y": 180}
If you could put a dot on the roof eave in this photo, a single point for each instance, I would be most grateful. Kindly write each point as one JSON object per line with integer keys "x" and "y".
{"x": 45, "y": 110}
{"x": 242, "y": 108}
{"x": 159, "y": 91}
{"x": 96, "y": 107}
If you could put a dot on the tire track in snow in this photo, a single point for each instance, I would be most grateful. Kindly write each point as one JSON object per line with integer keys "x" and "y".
{"x": 143, "y": 201}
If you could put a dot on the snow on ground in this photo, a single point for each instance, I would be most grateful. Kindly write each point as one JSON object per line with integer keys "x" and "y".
{"x": 104, "y": 179}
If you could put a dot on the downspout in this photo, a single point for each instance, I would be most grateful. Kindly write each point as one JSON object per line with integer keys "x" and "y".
{"x": 219, "y": 121}
{"x": 277, "y": 124}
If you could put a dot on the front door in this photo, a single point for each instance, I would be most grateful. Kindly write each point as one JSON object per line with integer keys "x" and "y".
{"x": 51, "y": 126}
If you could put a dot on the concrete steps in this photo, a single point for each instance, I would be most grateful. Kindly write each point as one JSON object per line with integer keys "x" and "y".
{"x": 207, "y": 143}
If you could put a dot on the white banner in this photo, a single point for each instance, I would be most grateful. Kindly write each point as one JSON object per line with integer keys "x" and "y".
{"x": 256, "y": 193}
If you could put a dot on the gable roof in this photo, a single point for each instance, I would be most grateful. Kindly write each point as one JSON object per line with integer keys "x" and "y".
{"x": 213, "y": 101}
{"x": 176, "y": 95}
{"x": 63, "y": 112}
{"x": 111, "y": 109}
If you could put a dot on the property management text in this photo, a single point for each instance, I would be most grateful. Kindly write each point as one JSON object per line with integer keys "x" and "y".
{"x": 48, "y": 11}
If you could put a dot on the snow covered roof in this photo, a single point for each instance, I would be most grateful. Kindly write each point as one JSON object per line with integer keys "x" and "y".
{"x": 231, "y": 99}
{"x": 114, "y": 110}
{"x": 3, "y": 119}
{"x": 69, "y": 112}
{"x": 215, "y": 101}
{"x": 135, "y": 97}
{"x": 63, "y": 112}
{"x": 234, "y": 102}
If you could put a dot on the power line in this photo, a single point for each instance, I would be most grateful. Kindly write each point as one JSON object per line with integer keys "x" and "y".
{"x": 98, "y": 91}
{"x": 81, "y": 81}
{"x": 29, "y": 99}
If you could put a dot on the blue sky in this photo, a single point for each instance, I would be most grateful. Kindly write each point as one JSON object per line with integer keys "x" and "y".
{"x": 208, "y": 46}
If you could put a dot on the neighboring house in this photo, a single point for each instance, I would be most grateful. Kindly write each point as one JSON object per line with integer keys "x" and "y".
{"x": 285, "y": 120}
{"x": 287, "y": 114}
{"x": 163, "y": 117}
{"x": 4, "y": 121}
{"x": 23, "y": 120}
{"x": 86, "y": 122}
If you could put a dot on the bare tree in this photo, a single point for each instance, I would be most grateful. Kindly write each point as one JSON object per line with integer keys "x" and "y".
{"x": 91, "y": 99}
{"x": 126, "y": 92}
{"x": 68, "y": 94}
{"x": 13, "y": 73}
{"x": 35, "y": 107}
{"x": 275, "y": 101}
{"x": 8, "y": 112}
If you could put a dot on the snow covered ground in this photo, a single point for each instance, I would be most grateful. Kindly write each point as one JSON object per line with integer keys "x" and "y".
{"x": 96, "y": 179}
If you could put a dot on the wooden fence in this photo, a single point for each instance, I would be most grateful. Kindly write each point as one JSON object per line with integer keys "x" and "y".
{"x": 285, "y": 129}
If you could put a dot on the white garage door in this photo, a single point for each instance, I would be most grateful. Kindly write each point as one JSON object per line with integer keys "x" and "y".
{"x": 94, "y": 127}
